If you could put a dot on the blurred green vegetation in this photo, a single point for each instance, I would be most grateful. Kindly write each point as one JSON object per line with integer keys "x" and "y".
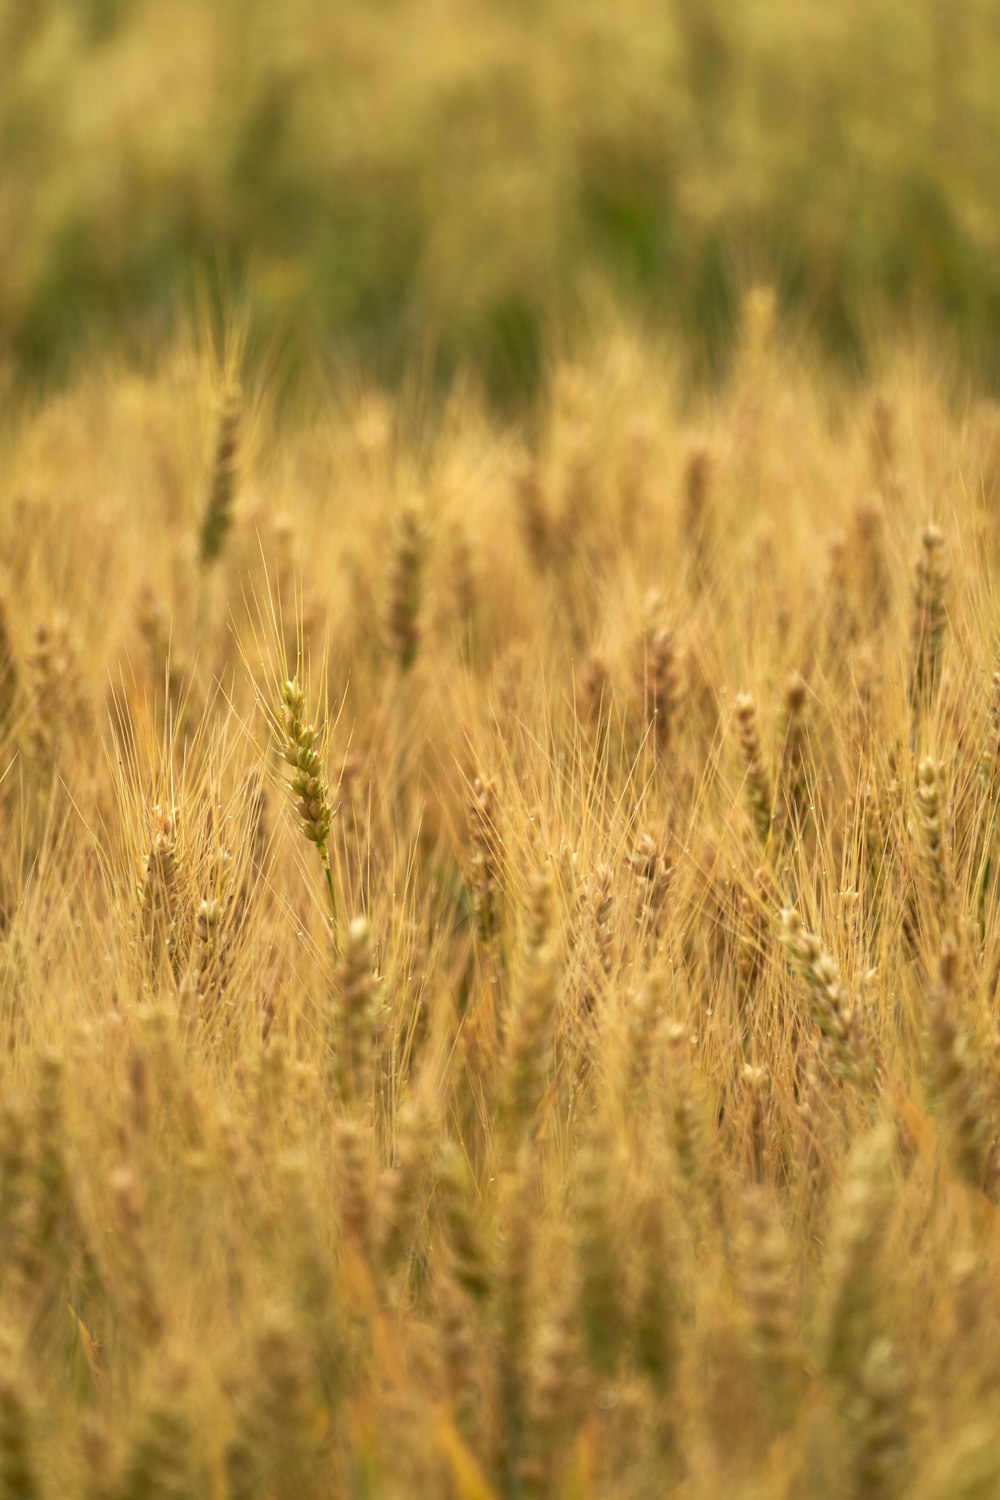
{"x": 455, "y": 180}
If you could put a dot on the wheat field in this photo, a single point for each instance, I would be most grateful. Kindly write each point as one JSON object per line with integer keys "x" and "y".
{"x": 499, "y": 934}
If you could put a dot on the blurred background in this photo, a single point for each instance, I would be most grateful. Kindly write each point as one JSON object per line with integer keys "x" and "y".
{"x": 464, "y": 183}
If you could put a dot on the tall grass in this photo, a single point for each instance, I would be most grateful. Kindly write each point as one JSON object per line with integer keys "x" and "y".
{"x": 587, "y": 1083}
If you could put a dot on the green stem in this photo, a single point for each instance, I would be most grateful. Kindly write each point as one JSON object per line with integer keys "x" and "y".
{"x": 333, "y": 899}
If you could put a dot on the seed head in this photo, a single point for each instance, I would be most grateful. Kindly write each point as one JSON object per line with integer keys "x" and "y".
{"x": 218, "y": 515}
{"x": 929, "y": 618}
{"x": 839, "y": 1022}
{"x": 758, "y": 782}
{"x": 307, "y": 782}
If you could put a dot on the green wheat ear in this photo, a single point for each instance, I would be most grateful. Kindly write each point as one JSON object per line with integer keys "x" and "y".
{"x": 217, "y": 518}
{"x": 307, "y": 784}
